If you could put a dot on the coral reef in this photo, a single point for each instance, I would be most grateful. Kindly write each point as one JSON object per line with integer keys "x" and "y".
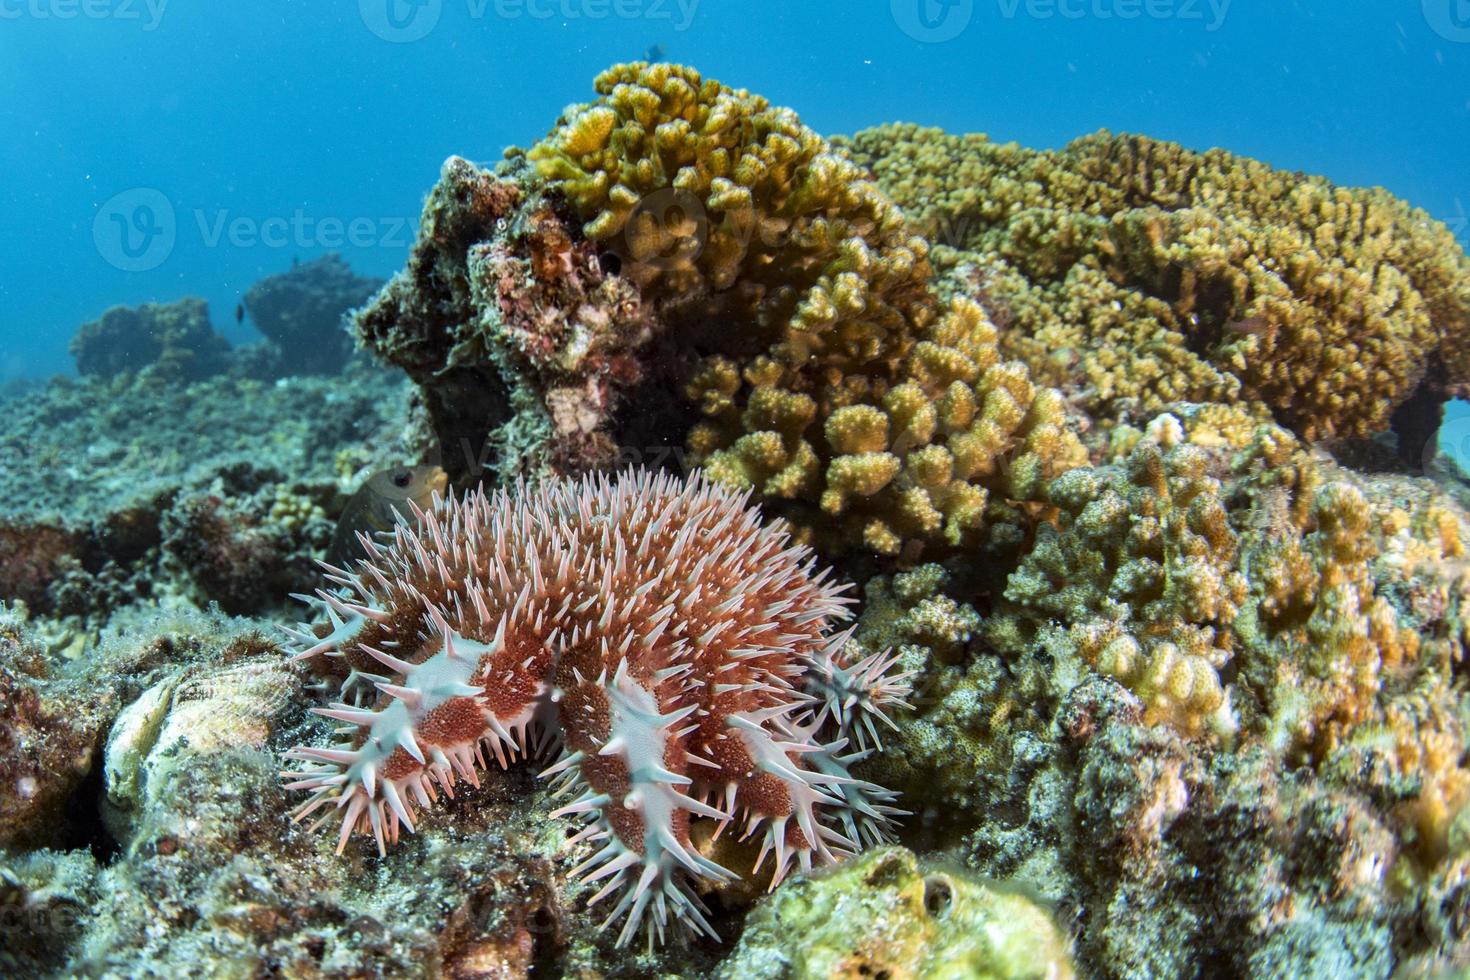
{"x": 171, "y": 341}
{"x": 126, "y": 492}
{"x": 302, "y": 313}
{"x": 671, "y": 646}
{"x": 1168, "y": 669}
{"x": 837, "y": 385}
{"x": 1214, "y": 712}
{"x": 843, "y": 386}
{"x": 887, "y": 915}
{"x": 1135, "y": 273}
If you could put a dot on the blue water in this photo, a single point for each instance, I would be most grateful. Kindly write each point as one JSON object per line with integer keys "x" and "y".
{"x": 231, "y": 137}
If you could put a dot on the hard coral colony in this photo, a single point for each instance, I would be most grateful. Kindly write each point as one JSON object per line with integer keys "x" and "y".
{"x": 676, "y": 649}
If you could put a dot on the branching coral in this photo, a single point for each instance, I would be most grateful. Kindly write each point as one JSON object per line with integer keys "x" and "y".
{"x": 676, "y": 650}
{"x": 840, "y": 388}
{"x": 1182, "y": 561}
{"x": 1133, "y": 270}
{"x": 1143, "y": 568}
{"x": 913, "y": 461}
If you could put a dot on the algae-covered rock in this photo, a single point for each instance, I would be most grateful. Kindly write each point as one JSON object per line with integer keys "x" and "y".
{"x": 887, "y": 914}
{"x": 175, "y": 340}
{"x": 303, "y": 313}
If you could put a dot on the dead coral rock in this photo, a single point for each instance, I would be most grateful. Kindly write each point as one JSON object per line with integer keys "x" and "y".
{"x": 302, "y": 312}
{"x": 47, "y": 747}
{"x": 228, "y": 554}
{"x": 32, "y": 557}
{"x": 175, "y": 341}
{"x": 522, "y": 344}
{"x": 508, "y": 927}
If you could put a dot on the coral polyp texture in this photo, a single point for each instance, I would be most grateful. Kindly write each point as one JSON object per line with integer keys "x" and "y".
{"x": 874, "y": 415}
{"x": 677, "y": 651}
{"x": 1136, "y": 272}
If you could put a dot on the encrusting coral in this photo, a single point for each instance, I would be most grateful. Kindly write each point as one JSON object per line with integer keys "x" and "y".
{"x": 523, "y": 344}
{"x": 1135, "y": 273}
{"x": 675, "y": 648}
{"x": 888, "y": 914}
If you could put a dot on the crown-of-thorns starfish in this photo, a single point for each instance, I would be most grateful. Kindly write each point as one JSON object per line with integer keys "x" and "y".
{"x": 675, "y": 650}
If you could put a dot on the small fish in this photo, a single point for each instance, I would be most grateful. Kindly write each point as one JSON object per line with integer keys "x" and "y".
{"x": 654, "y": 54}
{"x": 1253, "y": 326}
{"x": 381, "y": 501}
{"x": 239, "y": 312}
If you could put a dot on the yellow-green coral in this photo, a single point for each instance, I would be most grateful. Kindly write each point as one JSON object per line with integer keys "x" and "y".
{"x": 836, "y": 385}
{"x": 911, "y": 461}
{"x": 1140, "y": 273}
{"x": 887, "y": 915}
{"x": 701, "y": 185}
{"x": 1204, "y": 555}
{"x": 1143, "y": 568}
